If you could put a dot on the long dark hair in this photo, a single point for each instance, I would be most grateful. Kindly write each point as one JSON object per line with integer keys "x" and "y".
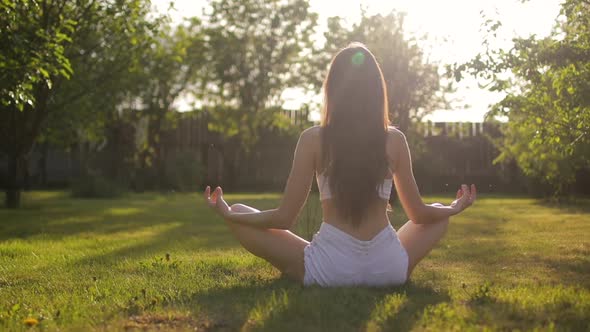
{"x": 354, "y": 131}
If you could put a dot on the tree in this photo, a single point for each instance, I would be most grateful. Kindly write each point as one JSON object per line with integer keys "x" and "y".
{"x": 547, "y": 101}
{"x": 48, "y": 43}
{"x": 34, "y": 36}
{"x": 175, "y": 64}
{"x": 256, "y": 50}
{"x": 413, "y": 84}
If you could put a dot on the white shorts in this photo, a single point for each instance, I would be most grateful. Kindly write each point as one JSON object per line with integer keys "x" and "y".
{"x": 336, "y": 258}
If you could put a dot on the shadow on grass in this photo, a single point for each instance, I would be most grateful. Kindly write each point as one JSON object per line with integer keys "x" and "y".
{"x": 193, "y": 229}
{"x": 571, "y": 270}
{"x": 58, "y": 218}
{"x": 508, "y": 316}
{"x": 62, "y": 218}
{"x": 139, "y": 226}
{"x": 485, "y": 240}
{"x": 281, "y": 305}
{"x": 477, "y": 241}
{"x": 576, "y": 206}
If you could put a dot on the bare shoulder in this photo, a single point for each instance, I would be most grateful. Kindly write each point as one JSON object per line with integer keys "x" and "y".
{"x": 310, "y": 136}
{"x": 312, "y": 132}
{"x": 395, "y": 138}
{"x": 396, "y": 142}
{"x": 309, "y": 143}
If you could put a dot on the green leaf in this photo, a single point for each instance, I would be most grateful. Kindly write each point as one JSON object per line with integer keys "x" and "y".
{"x": 44, "y": 72}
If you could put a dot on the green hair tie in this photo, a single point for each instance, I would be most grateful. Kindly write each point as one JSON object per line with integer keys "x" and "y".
{"x": 358, "y": 58}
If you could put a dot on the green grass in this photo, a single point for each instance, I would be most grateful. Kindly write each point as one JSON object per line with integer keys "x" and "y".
{"x": 154, "y": 261}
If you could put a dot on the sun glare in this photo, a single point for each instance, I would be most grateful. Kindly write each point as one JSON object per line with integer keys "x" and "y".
{"x": 448, "y": 31}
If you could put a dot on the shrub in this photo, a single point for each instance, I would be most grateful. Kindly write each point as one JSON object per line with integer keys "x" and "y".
{"x": 95, "y": 186}
{"x": 184, "y": 172}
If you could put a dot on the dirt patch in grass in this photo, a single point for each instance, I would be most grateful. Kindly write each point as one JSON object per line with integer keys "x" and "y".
{"x": 171, "y": 322}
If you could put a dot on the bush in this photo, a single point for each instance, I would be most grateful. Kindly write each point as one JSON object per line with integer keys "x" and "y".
{"x": 95, "y": 186}
{"x": 184, "y": 171}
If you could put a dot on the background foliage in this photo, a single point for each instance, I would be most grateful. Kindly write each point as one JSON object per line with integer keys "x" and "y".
{"x": 102, "y": 80}
{"x": 547, "y": 97}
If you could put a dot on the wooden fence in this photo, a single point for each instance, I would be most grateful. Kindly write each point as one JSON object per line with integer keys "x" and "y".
{"x": 447, "y": 154}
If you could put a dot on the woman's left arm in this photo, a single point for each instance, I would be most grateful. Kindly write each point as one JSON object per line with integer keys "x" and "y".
{"x": 294, "y": 197}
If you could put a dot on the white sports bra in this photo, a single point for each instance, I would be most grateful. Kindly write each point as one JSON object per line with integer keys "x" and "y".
{"x": 384, "y": 191}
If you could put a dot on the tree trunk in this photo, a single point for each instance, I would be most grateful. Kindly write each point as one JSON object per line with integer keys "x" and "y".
{"x": 214, "y": 162}
{"x": 42, "y": 165}
{"x": 12, "y": 198}
{"x": 160, "y": 164}
{"x": 231, "y": 164}
{"x": 404, "y": 120}
{"x": 155, "y": 134}
{"x": 16, "y": 166}
{"x": 21, "y": 132}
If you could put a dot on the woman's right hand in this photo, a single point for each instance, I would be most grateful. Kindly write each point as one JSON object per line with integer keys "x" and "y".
{"x": 216, "y": 202}
{"x": 465, "y": 197}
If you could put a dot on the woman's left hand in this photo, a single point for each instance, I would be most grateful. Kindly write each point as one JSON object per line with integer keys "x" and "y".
{"x": 215, "y": 201}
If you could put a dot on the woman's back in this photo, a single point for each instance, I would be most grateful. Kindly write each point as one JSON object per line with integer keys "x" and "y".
{"x": 376, "y": 217}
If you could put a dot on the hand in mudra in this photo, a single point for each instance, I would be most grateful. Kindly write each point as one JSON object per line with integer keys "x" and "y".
{"x": 216, "y": 202}
{"x": 465, "y": 198}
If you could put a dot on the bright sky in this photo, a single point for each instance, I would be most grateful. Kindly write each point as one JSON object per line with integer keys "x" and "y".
{"x": 453, "y": 30}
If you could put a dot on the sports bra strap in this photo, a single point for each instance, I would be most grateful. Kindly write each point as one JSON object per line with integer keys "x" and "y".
{"x": 384, "y": 190}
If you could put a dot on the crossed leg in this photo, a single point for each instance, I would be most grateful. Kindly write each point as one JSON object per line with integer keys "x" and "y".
{"x": 284, "y": 250}
{"x": 281, "y": 248}
{"x": 420, "y": 239}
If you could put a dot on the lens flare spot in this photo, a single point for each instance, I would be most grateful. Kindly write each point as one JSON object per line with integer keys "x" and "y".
{"x": 358, "y": 58}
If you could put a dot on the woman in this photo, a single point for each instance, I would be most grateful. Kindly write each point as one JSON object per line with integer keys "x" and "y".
{"x": 356, "y": 157}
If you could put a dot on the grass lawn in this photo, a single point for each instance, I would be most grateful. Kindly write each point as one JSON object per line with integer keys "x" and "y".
{"x": 156, "y": 261}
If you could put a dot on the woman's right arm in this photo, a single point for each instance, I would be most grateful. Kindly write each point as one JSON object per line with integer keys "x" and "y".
{"x": 407, "y": 189}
